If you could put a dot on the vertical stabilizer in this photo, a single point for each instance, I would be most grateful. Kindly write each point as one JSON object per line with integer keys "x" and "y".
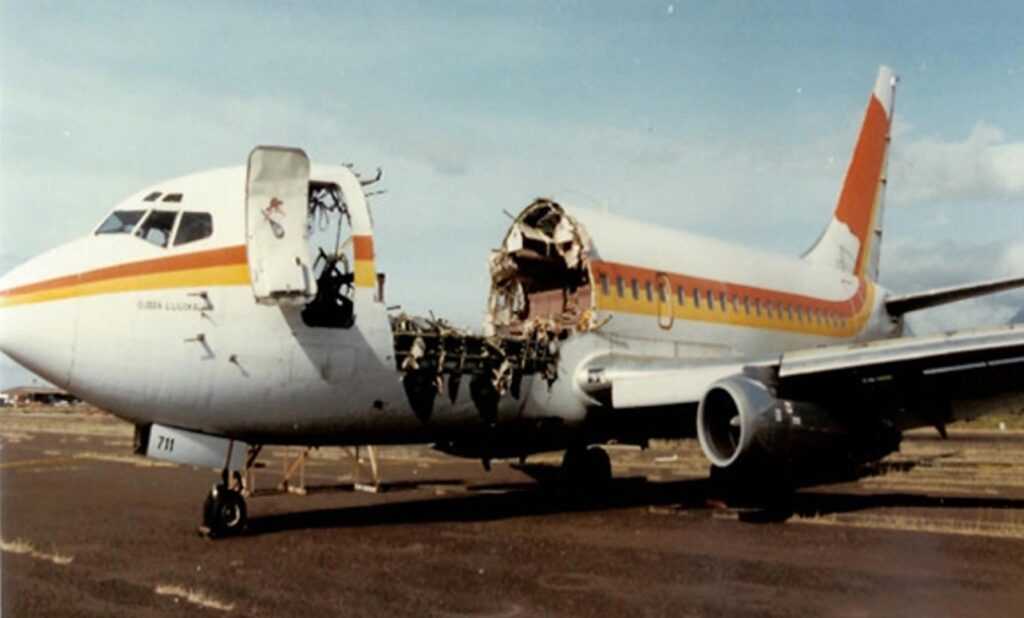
{"x": 852, "y": 240}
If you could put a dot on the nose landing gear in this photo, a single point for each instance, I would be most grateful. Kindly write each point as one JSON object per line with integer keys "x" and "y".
{"x": 224, "y": 512}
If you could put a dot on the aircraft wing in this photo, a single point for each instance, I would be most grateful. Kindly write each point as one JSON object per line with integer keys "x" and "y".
{"x": 944, "y": 367}
{"x": 935, "y": 368}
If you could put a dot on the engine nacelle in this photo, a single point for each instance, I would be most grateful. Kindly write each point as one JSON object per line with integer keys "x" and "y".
{"x": 740, "y": 424}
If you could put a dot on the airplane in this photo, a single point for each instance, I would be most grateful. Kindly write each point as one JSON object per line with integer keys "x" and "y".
{"x": 222, "y": 311}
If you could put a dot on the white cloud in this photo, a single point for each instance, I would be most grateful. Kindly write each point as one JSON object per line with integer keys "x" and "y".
{"x": 914, "y": 265}
{"x": 982, "y": 167}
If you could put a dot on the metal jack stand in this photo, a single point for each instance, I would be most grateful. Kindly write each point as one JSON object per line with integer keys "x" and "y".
{"x": 357, "y": 485}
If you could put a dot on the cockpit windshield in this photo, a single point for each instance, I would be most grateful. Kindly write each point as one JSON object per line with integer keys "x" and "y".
{"x": 120, "y": 222}
{"x": 156, "y": 228}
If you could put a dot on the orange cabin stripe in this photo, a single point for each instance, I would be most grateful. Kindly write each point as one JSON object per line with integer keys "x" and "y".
{"x": 842, "y": 308}
{"x": 362, "y": 247}
{"x": 226, "y": 256}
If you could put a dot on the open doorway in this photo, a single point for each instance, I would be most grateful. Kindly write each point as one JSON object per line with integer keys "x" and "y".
{"x": 329, "y": 233}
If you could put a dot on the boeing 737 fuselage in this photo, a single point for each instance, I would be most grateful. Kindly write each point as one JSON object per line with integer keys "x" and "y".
{"x": 241, "y": 307}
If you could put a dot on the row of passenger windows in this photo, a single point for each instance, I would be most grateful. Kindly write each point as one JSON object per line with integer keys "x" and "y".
{"x": 720, "y": 301}
{"x": 159, "y": 226}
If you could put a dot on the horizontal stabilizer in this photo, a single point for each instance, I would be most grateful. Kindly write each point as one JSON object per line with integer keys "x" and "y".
{"x": 904, "y": 303}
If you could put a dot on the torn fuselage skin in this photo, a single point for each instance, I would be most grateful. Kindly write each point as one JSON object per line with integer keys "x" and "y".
{"x": 540, "y": 277}
{"x": 540, "y": 295}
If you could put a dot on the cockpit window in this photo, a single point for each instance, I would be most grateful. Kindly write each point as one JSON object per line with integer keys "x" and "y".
{"x": 120, "y": 222}
{"x": 156, "y": 228}
{"x": 194, "y": 226}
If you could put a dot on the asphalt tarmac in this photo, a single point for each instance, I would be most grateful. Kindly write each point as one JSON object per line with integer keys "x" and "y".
{"x": 90, "y": 530}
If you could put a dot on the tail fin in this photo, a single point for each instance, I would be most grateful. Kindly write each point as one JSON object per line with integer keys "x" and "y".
{"x": 853, "y": 238}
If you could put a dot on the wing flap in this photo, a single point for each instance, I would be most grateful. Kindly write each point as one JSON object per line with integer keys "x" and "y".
{"x": 949, "y": 349}
{"x": 907, "y": 372}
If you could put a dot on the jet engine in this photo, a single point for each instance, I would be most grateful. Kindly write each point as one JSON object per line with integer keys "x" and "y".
{"x": 742, "y": 426}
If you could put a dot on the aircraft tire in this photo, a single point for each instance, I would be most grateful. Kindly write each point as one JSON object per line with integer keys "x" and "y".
{"x": 769, "y": 489}
{"x": 599, "y": 466}
{"x": 588, "y": 467}
{"x": 224, "y": 512}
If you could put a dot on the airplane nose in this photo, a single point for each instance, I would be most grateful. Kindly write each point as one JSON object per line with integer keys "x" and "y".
{"x": 37, "y": 321}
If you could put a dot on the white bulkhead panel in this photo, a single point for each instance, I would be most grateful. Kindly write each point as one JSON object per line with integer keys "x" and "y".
{"x": 276, "y": 202}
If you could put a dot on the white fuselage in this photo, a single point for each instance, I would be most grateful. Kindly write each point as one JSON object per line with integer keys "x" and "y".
{"x": 173, "y": 334}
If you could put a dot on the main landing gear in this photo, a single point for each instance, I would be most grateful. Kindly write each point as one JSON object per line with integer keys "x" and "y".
{"x": 586, "y": 467}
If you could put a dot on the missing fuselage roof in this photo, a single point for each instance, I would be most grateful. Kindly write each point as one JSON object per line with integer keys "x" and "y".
{"x": 540, "y": 276}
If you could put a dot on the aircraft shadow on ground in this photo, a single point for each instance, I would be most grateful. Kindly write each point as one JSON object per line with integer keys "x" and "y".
{"x": 489, "y": 502}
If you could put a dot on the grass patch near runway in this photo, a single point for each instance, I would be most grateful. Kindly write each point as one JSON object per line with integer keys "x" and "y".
{"x": 23, "y": 547}
{"x": 910, "y": 523}
{"x": 195, "y": 597}
{"x": 134, "y": 460}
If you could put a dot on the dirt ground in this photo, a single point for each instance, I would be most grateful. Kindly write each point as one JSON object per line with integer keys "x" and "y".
{"x": 88, "y": 529}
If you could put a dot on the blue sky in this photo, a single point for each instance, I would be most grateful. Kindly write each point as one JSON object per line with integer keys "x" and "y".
{"x": 730, "y": 119}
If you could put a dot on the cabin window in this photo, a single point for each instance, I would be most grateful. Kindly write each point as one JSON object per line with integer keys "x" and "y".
{"x": 768, "y": 308}
{"x": 120, "y": 222}
{"x": 746, "y": 304}
{"x": 648, "y": 291}
{"x": 722, "y": 301}
{"x": 604, "y": 283}
{"x": 681, "y": 295}
{"x": 757, "y": 306}
{"x": 735, "y": 303}
{"x": 199, "y": 225}
{"x": 789, "y": 312}
{"x": 711, "y": 300}
{"x": 635, "y": 288}
{"x": 662, "y": 294}
{"x": 619, "y": 286}
{"x": 152, "y": 197}
{"x": 799, "y": 313}
{"x": 696, "y": 298}
{"x": 156, "y": 228}
{"x": 172, "y": 197}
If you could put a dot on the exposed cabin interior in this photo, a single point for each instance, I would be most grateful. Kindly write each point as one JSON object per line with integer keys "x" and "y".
{"x": 540, "y": 277}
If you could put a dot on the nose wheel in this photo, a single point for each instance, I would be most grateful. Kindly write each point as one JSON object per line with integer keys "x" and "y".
{"x": 224, "y": 512}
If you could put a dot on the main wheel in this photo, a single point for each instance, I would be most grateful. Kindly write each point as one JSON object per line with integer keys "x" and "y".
{"x": 599, "y": 466}
{"x": 768, "y": 488}
{"x": 224, "y": 512}
{"x": 586, "y": 466}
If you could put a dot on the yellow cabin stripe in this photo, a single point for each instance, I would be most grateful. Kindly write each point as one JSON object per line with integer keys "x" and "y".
{"x": 234, "y": 274}
{"x": 365, "y": 274}
{"x": 847, "y": 327}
